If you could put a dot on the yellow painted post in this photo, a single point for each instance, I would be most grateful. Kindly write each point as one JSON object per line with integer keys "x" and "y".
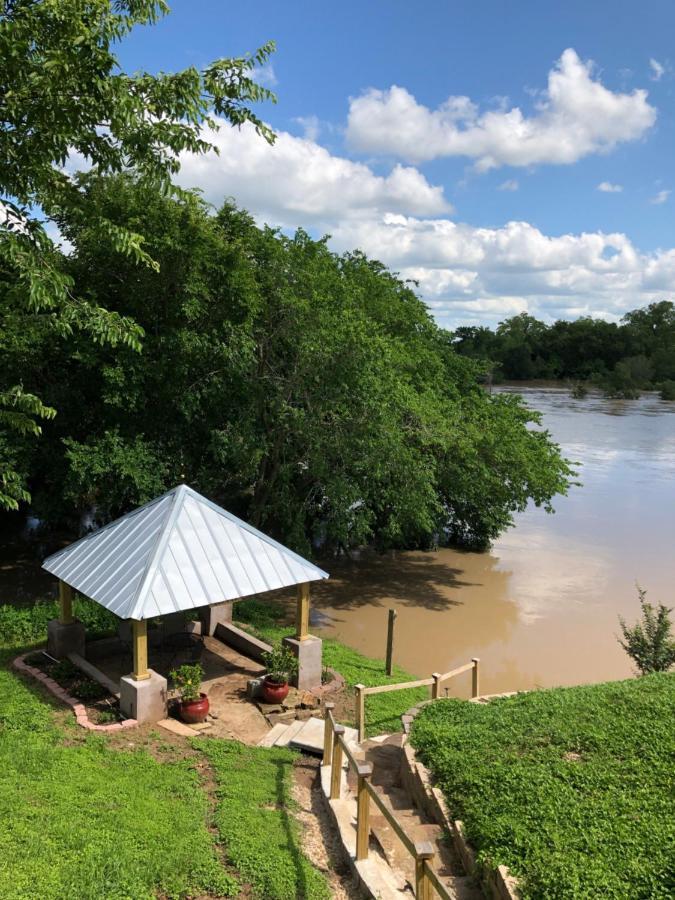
{"x": 66, "y": 603}
{"x": 436, "y": 686}
{"x": 336, "y": 766}
{"x": 140, "y": 640}
{"x": 302, "y": 612}
{"x": 360, "y": 710}
{"x": 475, "y": 683}
{"x": 363, "y": 772}
{"x": 424, "y": 853}
{"x": 328, "y": 734}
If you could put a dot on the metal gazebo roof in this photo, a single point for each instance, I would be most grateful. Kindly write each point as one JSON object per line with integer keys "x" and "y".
{"x": 178, "y": 552}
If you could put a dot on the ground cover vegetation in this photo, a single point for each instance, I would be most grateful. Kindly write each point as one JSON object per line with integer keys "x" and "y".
{"x": 310, "y": 393}
{"x": 571, "y": 788}
{"x": 92, "y": 817}
{"x": 624, "y": 358}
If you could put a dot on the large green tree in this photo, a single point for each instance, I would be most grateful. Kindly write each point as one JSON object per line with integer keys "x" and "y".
{"x": 310, "y": 392}
{"x": 64, "y": 97}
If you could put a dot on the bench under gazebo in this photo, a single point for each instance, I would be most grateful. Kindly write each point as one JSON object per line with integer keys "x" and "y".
{"x": 179, "y": 553}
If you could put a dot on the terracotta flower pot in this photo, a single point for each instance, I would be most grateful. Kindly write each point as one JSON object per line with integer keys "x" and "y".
{"x": 274, "y": 691}
{"x": 193, "y": 711}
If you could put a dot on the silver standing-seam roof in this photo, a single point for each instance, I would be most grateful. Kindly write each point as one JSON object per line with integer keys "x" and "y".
{"x": 177, "y": 552}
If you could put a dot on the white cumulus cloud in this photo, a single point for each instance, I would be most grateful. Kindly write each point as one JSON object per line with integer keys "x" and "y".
{"x": 608, "y": 188}
{"x": 295, "y": 181}
{"x": 657, "y": 70}
{"x": 575, "y": 116}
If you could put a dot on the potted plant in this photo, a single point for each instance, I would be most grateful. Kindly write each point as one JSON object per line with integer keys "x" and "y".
{"x": 193, "y": 705}
{"x": 281, "y": 665}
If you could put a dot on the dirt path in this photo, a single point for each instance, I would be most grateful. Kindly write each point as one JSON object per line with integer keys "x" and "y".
{"x": 320, "y": 842}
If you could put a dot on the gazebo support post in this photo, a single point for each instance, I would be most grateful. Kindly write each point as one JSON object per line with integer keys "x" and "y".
{"x": 66, "y": 634}
{"x": 143, "y": 693}
{"x": 304, "y": 645}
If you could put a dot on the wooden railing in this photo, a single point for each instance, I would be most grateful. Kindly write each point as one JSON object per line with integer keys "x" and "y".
{"x": 334, "y": 749}
{"x": 434, "y": 683}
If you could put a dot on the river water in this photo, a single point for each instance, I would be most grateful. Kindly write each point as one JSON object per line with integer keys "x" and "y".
{"x": 540, "y": 608}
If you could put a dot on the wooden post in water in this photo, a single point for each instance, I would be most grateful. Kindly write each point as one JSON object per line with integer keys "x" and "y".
{"x": 364, "y": 771}
{"x": 390, "y": 641}
{"x": 475, "y": 682}
{"x": 424, "y": 853}
{"x": 327, "y": 734}
{"x": 336, "y": 765}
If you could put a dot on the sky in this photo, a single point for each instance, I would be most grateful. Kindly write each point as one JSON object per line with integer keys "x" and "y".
{"x": 507, "y": 156}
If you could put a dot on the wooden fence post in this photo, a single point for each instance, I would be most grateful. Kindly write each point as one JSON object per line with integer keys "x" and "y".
{"x": 336, "y": 765}
{"x": 390, "y": 641}
{"x": 475, "y": 683}
{"x": 360, "y": 710}
{"x": 327, "y": 734}
{"x": 436, "y": 686}
{"x": 424, "y": 853}
{"x": 363, "y": 771}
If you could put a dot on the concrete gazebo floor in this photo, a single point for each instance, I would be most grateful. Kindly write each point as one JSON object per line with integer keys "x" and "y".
{"x": 226, "y": 673}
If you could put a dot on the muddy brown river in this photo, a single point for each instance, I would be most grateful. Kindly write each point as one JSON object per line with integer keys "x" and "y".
{"x": 540, "y": 608}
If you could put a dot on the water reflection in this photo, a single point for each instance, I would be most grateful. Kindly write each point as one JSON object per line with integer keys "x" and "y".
{"x": 541, "y": 608}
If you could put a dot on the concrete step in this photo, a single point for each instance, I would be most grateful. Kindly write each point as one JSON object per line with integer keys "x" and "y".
{"x": 310, "y": 737}
{"x": 289, "y": 733}
{"x": 270, "y": 739}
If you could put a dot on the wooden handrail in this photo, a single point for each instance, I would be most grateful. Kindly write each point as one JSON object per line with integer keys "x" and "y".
{"x": 434, "y": 682}
{"x": 426, "y": 879}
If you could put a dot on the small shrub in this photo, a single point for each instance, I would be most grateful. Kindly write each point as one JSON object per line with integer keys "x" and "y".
{"x": 107, "y": 716}
{"x": 668, "y": 390}
{"x": 650, "y": 643}
{"x": 87, "y": 689}
{"x": 579, "y": 391}
{"x": 281, "y": 664}
{"x": 187, "y": 680}
{"x": 63, "y": 670}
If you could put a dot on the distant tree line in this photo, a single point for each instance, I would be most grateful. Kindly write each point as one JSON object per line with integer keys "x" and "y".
{"x": 638, "y": 353}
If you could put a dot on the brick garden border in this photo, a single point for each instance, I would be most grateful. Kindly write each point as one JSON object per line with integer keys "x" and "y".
{"x": 79, "y": 709}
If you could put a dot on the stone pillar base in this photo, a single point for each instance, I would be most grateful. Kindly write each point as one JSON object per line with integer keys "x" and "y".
{"x": 212, "y": 616}
{"x": 65, "y": 637}
{"x": 144, "y": 700}
{"x": 309, "y": 654}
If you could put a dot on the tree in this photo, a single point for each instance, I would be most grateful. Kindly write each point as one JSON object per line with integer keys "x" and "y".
{"x": 650, "y": 643}
{"x": 63, "y": 98}
{"x": 309, "y": 392}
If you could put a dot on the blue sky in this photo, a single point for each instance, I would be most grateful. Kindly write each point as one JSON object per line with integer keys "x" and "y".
{"x": 490, "y": 200}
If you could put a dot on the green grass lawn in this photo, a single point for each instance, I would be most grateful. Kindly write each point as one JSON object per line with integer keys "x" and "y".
{"x": 88, "y": 817}
{"x": 573, "y": 788}
{"x": 383, "y": 711}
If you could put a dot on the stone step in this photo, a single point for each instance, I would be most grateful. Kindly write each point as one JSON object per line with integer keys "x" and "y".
{"x": 310, "y": 737}
{"x": 289, "y": 733}
{"x": 270, "y": 739}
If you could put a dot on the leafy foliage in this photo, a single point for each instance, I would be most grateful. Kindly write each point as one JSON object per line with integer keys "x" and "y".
{"x": 22, "y": 626}
{"x": 65, "y": 102}
{"x": 572, "y": 788}
{"x": 650, "y": 643}
{"x": 255, "y": 821}
{"x": 188, "y": 681}
{"x": 280, "y": 664}
{"x": 309, "y": 392}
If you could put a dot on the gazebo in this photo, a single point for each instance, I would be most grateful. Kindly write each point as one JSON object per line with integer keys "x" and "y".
{"x": 180, "y": 552}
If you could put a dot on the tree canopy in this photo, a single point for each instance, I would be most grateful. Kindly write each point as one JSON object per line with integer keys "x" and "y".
{"x": 64, "y": 99}
{"x": 307, "y": 391}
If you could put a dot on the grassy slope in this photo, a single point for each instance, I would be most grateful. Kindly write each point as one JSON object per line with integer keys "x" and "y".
{"x": 383, "y": 711}
{"x": 254, "y": 820}
{"x": 84, "y": 820}
{"x": 572, "y": 788}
